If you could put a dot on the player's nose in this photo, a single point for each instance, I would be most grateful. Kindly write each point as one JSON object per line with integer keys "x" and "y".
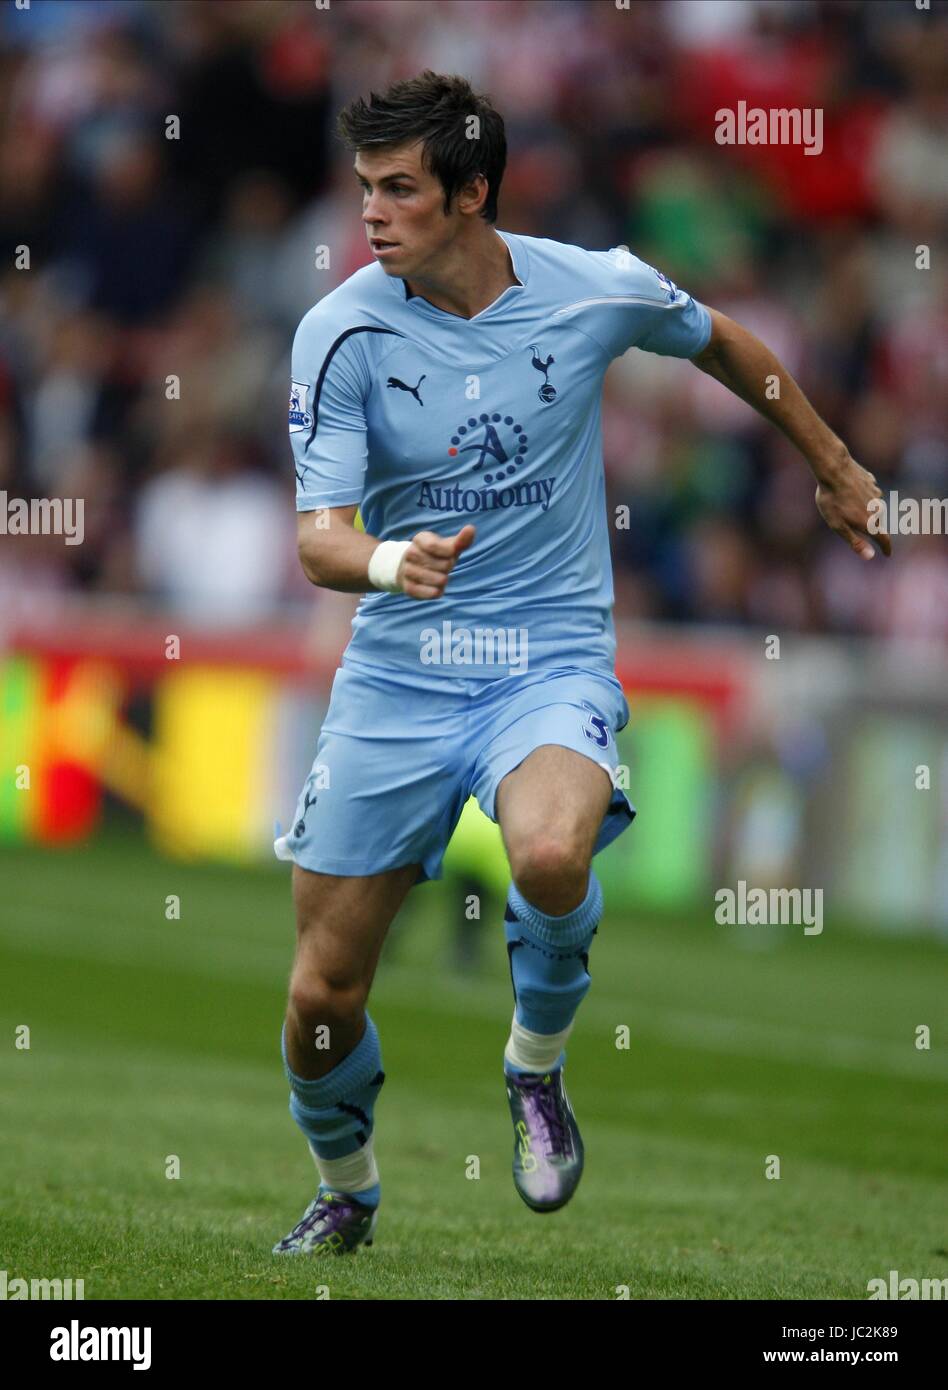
{"x": 370, "y": 214}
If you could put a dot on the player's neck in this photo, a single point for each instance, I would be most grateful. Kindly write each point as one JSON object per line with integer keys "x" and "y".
{"x": 471, "y": 277}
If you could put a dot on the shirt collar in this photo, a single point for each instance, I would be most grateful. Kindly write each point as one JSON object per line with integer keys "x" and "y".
{"x": 520, "y": 269}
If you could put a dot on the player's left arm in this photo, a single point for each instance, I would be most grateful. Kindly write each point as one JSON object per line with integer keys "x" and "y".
{"x": 746, "y": 366}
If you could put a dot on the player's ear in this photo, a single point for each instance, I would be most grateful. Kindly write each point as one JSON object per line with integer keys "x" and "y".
{"x": 472, "y": 197}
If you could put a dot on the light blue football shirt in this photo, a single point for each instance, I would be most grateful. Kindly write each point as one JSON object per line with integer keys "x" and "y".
{"x": 429, "y": 421}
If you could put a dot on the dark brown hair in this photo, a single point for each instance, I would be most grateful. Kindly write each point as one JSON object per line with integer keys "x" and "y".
{"x": 436, "y": 109}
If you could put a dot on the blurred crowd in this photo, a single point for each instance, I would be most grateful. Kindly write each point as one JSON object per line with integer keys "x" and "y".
{"x": 170, "y": 167}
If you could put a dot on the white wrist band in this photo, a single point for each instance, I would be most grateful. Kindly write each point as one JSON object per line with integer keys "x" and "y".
{"x": 384, "y": 563}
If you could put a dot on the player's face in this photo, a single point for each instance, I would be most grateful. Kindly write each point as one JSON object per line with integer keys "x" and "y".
{"x": 403, "y": 210}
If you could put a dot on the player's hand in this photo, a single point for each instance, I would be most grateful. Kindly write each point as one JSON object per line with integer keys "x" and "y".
{"x": 842, "y": 500}
{"x": 429, "y": 560}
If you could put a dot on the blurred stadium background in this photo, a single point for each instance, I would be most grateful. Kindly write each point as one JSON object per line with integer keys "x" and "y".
{"x": 193, "y": 257}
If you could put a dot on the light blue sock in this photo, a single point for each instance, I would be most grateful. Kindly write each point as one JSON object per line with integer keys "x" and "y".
{"x": 336, "y": 1111}
{"x": 549, "y": 959}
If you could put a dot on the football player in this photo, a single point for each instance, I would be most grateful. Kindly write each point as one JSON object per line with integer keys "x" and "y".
{"x": 450, "y": 391}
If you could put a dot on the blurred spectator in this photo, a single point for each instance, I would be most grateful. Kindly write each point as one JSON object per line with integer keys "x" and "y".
{"x": 214, "y": 537}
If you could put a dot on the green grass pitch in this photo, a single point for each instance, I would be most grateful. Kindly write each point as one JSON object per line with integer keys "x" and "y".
{"x": 152, "y": 1037}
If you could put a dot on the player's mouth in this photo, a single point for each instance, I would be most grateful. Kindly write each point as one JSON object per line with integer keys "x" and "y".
{"x": 381, "y": 247}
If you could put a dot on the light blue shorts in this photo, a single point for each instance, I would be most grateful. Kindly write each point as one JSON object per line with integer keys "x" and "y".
{"x": 396, "y": 762}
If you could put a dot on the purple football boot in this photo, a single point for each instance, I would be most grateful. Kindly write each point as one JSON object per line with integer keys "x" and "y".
{"x": 548, "y": 1149}
{"x": 334, "y": 1223}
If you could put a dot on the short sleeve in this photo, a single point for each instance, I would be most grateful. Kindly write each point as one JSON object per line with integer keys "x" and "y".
{"x": 327, "y": 415}
{"x": 644, "y": 309}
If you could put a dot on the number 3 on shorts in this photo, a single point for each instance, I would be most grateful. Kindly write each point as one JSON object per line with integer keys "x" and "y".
{"x": 596, "y": 729}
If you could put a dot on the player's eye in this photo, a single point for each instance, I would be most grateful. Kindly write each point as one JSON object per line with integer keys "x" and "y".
{"x": 399, "y": 189}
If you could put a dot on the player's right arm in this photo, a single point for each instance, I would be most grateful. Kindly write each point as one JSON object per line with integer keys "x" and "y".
{"x": 331, "y": 379}
{"x": 335, "y": 555}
